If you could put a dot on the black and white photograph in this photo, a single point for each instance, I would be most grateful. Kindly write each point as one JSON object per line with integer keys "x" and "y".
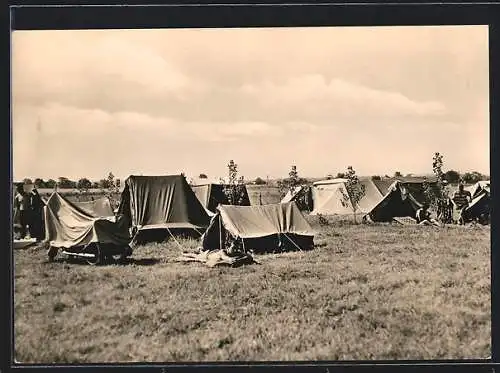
{"x": 251, "y": 194}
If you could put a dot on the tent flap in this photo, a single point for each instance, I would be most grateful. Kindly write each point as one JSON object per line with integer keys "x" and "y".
{"x": 69, "y": 226}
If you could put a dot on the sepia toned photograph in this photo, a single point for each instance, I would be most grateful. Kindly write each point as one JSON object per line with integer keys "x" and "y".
{"x": 251, "y": 194}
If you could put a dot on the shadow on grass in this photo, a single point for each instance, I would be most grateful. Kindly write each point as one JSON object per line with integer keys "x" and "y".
{"x": 122, "y": 262}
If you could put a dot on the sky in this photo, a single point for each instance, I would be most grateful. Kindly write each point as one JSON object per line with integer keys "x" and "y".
{"x": 158, "y": 102}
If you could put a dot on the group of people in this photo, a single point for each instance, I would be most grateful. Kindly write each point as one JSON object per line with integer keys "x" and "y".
{"x": 457, "y": 205}
{"x": 29, "y": 212}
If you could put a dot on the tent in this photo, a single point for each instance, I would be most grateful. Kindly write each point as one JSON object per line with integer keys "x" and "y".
{"x": 259, "y": 228}
{"x": 68, "y": 226}
{"x": 398, "y": 202}
{"x": 328, "y": 197}
{"x": 479, "y": 188}
{"x": 480, "y": 204}
{"x": 161, "y": 203}
{"x": 98, "y": 208}
{"x": 211, "y": 195}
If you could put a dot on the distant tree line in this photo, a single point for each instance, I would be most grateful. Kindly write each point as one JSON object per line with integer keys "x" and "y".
{"x": 81, "y": 184}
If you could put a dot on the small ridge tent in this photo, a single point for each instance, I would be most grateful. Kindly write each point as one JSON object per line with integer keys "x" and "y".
{"x": 259, "y": 228}
{"x": 159, "y": 204}
{"x": 211, "y": 195}
{"x": 479, "y": 208}
{"x": 398, "y": 202}
{"x": 69, "y": 226}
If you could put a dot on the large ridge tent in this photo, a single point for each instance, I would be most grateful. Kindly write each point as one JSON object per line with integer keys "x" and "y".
{"x": 398, "y": 202}
{"x": 260, "y": 228}
{"x": 211, "y": 195}
{"x": 67, "y": 226}
{"x": 161, "y": 203}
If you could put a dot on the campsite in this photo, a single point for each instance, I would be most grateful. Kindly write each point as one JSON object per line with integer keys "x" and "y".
{"x": 365, "y": 291}
{"x": 251, "y": 194}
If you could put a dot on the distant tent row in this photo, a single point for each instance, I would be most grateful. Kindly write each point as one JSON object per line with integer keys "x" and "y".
{"x": 331, "y": 197}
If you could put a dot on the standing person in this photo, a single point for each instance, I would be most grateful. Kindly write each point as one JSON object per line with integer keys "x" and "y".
{"x": 461, "y": 199}
{"x": 21, "y": 204}
{"x": 36, "y": 215}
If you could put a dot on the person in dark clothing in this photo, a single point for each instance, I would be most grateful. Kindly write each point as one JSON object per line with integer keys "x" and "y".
{"x": 36, "y": 215}
{"x": 461, "y": 199}
{"x": 21, "y": 204}
{"x": 423, "y": 216}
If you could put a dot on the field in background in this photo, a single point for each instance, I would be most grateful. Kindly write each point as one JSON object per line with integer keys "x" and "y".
{"x": 366, "y": 292}
{"x": 256, "y": 193}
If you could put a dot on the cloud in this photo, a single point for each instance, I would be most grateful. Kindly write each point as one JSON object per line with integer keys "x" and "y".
{"x": 339, "y": 98}
{"x": 169, "y": 100}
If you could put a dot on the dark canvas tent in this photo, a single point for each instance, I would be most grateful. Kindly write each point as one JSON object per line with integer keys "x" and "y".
{"x": 398, "y": 202}
{"x": 160, "y": 204}
{"x": 259, "y": 228}
{"x": 211, "y": 195}
{"x": 480, "y": 204}
{"x": 68, "y": 226}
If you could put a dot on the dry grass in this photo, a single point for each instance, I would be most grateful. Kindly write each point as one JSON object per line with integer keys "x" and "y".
{"x": 367, "y": 292}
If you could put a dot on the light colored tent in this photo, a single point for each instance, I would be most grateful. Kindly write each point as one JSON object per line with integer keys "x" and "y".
{"x": 478, "y": 188}
{"x": 260, "y": 228}
{"x": 398, "y": 202}
{"x": 162, "y": 203}
{"x": 211, "y": 195}
{"x": 100, "y": 207}
{"x": 67, "y": 226}
{"x": 480, "y": 204}
{"x": 328, "y": 197}
{"x": 292, "y": 194}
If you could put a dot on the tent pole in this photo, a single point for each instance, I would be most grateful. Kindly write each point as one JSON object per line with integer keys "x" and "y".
{"x": 171, "y": 235}
{"x": 220, "y": 234}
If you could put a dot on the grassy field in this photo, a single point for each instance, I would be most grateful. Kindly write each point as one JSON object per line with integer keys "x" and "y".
{"x": 366, "y": 292}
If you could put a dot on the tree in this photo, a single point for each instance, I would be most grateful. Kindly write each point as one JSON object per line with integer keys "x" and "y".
{"x": 472, "y": 177}
{"x": 436, "y": 195}
{"x": 110, "y": 189}
{"x": 65, "y": 183}
{"x": 39, "y": 183}
{"x": 329, "y": 177}
{"x": 398, "y": 174}
{"x": 104, "y": 184}
{"x": 234, "y": 189}
{"x": 202, "y": 176}
{"x": 355, "y": 190}
{"x": 51, "y": 183}
{"x": 340, "y": 175}
{"x": 96, "y": 185}
{"x": 376, "y": 177}
{"x": 290, "y": 184}
{"x": 84, "y": 184}
{"x": 259, "y": 181}
{"x": 452, "y": 176}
